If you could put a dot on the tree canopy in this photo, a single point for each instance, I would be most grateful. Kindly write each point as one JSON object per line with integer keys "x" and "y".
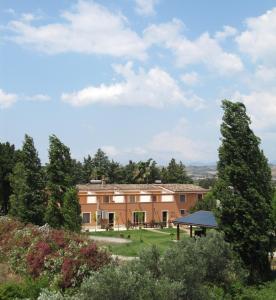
{"x": 245, "y": 191}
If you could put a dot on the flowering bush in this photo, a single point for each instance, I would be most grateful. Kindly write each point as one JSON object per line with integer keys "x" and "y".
{"x": 64, "y": 257}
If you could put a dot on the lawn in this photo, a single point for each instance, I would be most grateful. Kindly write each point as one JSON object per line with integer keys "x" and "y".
{"x": 140, "y": 239}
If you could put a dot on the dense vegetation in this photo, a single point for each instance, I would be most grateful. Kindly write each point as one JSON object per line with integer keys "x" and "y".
{"x": 63, "y": 257}
{"x": 245, "y": 191}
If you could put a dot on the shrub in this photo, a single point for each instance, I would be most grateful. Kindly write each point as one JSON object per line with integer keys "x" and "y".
{"x": 65, "y": 257}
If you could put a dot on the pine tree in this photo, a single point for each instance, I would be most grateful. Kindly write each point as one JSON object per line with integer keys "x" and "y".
{"x": 100, "y": 163}
{"x": 60, "y": 178}
{"x": 71, "y": 210}
{"x": 175, "y": 173}
{"x": 28, "y": 198}
{"x": 245, "y": 191}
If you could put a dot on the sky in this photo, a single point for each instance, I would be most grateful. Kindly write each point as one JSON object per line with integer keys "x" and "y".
{"x": 138, "y": 78}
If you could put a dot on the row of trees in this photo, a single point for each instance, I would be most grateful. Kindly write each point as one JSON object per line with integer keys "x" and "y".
{"x": 38, "y": 194}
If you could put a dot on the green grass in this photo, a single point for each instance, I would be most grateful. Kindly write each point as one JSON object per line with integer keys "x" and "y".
{"x": 161, "y": 240}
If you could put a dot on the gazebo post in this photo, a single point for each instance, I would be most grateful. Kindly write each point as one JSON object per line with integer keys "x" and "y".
{"x": 177, "y": 233}
{"x": 191, "y": 230}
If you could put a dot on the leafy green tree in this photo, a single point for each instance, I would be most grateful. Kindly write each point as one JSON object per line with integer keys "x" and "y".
{"x": 71, "y": 210}
{"x": 209, "y": 202}
{"x": 175, "y": 173}
{"x": 28, "y": 200}
{"x": 245, "y": 191}
{"x": 130, "y": 172}
{"x": 59, "y": 179}
{"x": 8, "y": 157}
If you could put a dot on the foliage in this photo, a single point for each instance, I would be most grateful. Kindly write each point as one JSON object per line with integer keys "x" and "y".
{"x": 71, "y": 210}
{"x": 27, "y": 182}
{"x": 209, "y": 202}
{"x": 175, "y": 173}
{"x": 62, "y": 256}
{"x": 245, "y": 191}
{"x": 28, "y": 289}
{"x": 207, "y": 183}
{"x": 8, "y": 156}
{"x": 60, "y": 178}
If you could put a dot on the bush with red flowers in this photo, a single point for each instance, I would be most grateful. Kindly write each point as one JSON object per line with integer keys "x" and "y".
{"x": 64, "y": 257}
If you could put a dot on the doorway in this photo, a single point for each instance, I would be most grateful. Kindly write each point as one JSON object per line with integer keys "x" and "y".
{"x": 165, "y": 218}
{"x": 111, "y": 220}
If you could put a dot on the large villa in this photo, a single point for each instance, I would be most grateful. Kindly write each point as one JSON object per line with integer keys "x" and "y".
{"x": 126, "y": 205}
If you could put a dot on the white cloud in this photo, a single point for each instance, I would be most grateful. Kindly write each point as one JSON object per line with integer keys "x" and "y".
{"x": 90, "y": 28}
{"x": 110, "y": 150}
{"x": 37, "y": 98}
{"x": 6, "y": 99}
{"x": 203, "y": 50}
{"x": 259, "y": 38}
{"x": 177, "y": 142}
{"x": 228, "y": 31}
{"x": 145, "y": 7}
{"x": 155, "y": 88}
{"x": 261, "y": 106}
{"x": 191, "y": 78}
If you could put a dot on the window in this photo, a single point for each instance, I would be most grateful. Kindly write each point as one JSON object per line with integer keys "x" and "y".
{"x": 153, "y": 198}
{"x": 182, "y": 212}
{"x": 85, "y": 218}
{"x": 139, "y": 217}
{"x": 182, "y": 198}
{"x": 199, "y": 196}
{"x": 132, "y": 198}
{"x": 107, "y": 199}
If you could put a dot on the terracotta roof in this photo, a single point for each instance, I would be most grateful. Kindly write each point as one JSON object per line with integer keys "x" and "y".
{"x": 139, "y": 187}
{"x": 179, "y": 187}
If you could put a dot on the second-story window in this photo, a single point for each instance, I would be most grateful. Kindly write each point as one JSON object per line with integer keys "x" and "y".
{"x": 199, "y": 196}
{"x": 182, "y": 198}
{"x": 131, "y": 198}
{"x": 106, "y": 199}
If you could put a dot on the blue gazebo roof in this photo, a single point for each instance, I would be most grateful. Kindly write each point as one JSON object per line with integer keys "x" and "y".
{"x": 201, "y": 218}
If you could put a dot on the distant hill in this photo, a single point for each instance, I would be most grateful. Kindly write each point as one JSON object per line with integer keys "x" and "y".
{"x": 210, "y": 171}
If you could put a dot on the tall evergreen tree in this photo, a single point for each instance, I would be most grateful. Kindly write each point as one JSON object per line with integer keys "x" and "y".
{"x": 71, "y": 210}
{"x": 28, "y": 198}
{"x": 175, "y": 173}
{"x": 87, "y": 168}
{"x": 100, "y": 165}
{"x": 59, "y": 179}
{"x": 8, "y": 157}
{"x": 245, "y": 191}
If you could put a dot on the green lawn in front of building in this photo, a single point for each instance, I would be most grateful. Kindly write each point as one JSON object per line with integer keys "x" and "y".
{"x": 139, "y": 240}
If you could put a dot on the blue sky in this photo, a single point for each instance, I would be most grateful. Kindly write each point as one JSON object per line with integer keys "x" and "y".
{"x": 137, "y": 78}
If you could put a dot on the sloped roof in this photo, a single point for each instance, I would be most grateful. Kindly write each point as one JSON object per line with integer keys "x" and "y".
{"x": 139, "y": 187}
{"x": 201, "y": 218}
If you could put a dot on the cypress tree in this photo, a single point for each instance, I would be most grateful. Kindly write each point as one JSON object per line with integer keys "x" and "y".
{"x": 59, "y": 179}
{"x": 71, "y": 210}
{"x": 28, "y": 198}
{"x": 245, "y": 191}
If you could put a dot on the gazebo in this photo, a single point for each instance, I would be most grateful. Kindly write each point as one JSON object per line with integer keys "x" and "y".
{"x": 202, "y": 218}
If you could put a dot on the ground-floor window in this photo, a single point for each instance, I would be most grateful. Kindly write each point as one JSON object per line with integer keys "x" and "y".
{"x": 85, "y": 218}
{"x": 139, "y": 217}
{"x": 182, "y": 212}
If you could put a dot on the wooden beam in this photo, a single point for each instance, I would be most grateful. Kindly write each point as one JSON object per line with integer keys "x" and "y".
{"x": 177, "y": 232}
{"x": 191, "y": 230}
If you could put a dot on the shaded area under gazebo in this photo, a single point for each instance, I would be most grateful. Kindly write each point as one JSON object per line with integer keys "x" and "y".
{"x": 204, "y": 219}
